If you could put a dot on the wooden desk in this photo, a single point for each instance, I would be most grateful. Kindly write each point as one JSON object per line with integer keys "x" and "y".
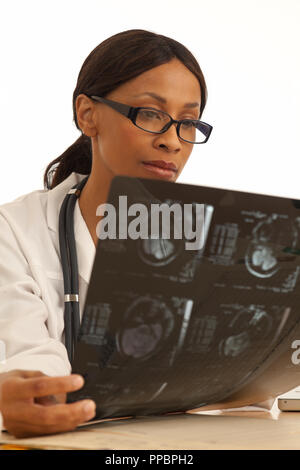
{"x": 207, "y": 430}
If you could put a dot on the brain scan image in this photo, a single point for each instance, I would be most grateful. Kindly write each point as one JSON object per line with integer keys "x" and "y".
{"x": 159, "y": 252}
{"x": 235, "y": 345}
{"x": 147, "y": 324}
{"x": 248, "y": 325}
{"x": 261, "y": 260}
{"x": 141, "y": 340}
{"x": 162, "y": 250}
{"x": 269, "y": 238}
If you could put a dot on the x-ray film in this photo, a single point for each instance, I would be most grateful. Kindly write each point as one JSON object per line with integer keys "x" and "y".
{"x": 166, "y": 328}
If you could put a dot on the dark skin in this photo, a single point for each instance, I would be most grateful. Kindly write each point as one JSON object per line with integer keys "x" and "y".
{"x": 32, "y": 403}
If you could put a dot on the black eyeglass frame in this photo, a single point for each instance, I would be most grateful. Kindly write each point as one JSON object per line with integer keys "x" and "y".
{"x": 131, "y": 113}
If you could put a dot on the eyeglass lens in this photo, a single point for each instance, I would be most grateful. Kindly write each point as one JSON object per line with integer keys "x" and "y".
{"x": 155, "y": 121}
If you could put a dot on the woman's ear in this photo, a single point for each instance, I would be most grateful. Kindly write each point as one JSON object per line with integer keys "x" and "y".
{"x": 86, "y": 115}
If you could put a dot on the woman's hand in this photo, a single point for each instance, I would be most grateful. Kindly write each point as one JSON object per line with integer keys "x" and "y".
{"x": 33, "y": 403}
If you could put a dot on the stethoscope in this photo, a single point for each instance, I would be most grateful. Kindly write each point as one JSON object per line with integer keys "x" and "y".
{"x": 69, "y": 264}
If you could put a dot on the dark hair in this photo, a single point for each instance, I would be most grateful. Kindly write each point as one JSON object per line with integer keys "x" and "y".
{"x": 113, "y": 62}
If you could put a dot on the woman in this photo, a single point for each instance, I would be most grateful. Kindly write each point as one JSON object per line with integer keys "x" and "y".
{"x": 136, "y": 68}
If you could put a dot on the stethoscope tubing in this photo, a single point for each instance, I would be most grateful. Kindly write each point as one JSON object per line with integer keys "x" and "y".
{"x": 69, "y": 264}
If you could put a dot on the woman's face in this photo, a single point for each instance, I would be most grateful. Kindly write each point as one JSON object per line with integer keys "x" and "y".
{"x": 121, "y": 148}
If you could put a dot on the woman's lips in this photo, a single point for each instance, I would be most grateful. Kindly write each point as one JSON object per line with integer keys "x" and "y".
{"x": 161, "y": 168}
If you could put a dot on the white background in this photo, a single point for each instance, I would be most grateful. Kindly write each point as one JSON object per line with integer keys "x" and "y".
{"x": 247, "y": 49}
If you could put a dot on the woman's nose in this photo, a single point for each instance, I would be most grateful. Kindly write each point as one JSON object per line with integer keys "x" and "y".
{"x": 169, "y": 139}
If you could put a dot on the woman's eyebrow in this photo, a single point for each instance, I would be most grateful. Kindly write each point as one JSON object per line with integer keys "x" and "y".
{"x": 164, "y": 101}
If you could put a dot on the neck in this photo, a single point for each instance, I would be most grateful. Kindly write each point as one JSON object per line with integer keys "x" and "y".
{"x": 93, "y": 194}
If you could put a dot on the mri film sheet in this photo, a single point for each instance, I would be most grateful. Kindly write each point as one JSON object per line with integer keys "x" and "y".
{"x": 166, "y": 330}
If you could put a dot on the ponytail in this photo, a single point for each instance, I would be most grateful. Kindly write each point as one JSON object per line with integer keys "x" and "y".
{"x": 77, "y": 158}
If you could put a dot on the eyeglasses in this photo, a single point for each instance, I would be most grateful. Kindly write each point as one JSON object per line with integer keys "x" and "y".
{"x": 158, "y": 122}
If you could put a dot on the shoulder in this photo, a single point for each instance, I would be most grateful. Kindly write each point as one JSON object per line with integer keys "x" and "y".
{"x": 21, "y": 217}
{"x": 29, "y": 227}
{"x": 37, "y": 207}
{"x": 24, "y": 205}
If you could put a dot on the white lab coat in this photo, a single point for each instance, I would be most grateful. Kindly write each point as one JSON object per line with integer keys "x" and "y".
{"x": 31, "y": 279}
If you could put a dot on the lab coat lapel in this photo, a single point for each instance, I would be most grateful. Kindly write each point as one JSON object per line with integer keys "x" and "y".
{"x": 84, "y": 244}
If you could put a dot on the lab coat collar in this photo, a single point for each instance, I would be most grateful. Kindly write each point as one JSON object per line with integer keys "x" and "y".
{"x": 84, "y": 243}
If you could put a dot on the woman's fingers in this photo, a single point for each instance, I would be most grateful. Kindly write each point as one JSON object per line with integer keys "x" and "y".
{"x": 20, "y": 388}
{"x": 4, "y": 376}
{"x": 37, "y": 419}
{"x": 34, "y": 404}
